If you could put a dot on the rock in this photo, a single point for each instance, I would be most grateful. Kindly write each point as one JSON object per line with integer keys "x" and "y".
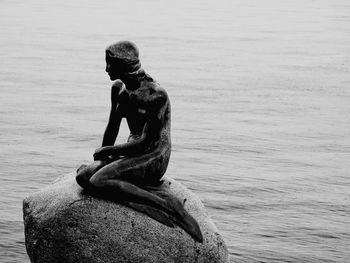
{"x": 64, "y": 225}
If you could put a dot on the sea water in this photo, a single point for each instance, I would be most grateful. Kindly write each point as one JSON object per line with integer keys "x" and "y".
{"x": 260, "y": 94}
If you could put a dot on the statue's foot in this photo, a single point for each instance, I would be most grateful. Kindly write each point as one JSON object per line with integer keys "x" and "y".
{"x": 176, "y": 214}
{"x": 152, "y": 212}
{"x": 185, "y": 220}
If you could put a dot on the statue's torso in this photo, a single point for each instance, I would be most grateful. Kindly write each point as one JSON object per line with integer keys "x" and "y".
{"x": 136, "y": 108}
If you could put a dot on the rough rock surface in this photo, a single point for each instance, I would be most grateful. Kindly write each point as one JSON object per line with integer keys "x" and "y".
{"x": 64, "y": 225}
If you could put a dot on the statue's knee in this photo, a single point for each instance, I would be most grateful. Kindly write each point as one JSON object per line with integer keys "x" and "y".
{"x": 83, "y": 166}
{"x": 82, "y": 180}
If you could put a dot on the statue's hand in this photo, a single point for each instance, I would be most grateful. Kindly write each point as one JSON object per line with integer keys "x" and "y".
{"x": 102, "y": 153}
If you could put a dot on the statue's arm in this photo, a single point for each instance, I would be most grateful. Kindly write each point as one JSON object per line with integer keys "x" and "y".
{"x": 115, "y": 117}
{"x": 157, "y": 102}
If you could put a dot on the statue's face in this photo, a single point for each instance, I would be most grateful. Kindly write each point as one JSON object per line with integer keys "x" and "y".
{"x": 113, "y": 69}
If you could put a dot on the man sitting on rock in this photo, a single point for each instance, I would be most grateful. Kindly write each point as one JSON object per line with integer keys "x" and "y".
{"x": 130, "y": 170}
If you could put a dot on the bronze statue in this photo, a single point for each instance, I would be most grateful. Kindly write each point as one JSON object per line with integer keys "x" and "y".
{"x": 132, "y": 171}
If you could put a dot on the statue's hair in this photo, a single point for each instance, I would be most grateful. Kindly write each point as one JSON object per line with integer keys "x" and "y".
{"x": 124, "y": 50}
{"x": 126, "y": 54}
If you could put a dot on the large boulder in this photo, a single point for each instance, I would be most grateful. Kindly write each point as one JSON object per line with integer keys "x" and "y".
{"x": 64, "y": 225}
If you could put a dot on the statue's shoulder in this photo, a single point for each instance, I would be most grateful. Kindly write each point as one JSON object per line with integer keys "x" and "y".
{"x": 158, "y": 96}
{"x": 156, "y": 89}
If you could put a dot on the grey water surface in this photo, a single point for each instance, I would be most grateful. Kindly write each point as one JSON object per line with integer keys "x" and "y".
{"x": 260, "y": 93}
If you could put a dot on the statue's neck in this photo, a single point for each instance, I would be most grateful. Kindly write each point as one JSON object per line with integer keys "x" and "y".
{"x": 133, "y": 81}
{"x": 131, "y": 84}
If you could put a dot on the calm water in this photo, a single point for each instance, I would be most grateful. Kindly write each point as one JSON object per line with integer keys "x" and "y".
{"x": 260, "y": 93}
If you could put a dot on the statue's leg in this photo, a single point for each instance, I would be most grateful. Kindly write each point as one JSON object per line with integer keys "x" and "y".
{"x": 85, "y": 172}
{"x": 123, "y": 177}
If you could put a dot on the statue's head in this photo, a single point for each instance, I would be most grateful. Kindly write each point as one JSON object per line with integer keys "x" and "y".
{"x": 122, "y": 58}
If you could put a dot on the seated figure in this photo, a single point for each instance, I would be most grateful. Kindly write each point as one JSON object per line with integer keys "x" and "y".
{"x": 132, "y": 171}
